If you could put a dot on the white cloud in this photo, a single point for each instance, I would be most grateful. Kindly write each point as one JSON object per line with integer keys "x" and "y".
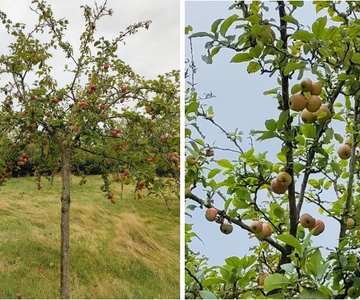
{"x": 149, "y": 52}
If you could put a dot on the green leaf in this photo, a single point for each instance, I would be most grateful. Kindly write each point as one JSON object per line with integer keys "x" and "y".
{"x": 318, "y": 26}
{"x": 240, "y": 57}
{"x": 227, "y": 23}
{"x": 201, "y": 34}
{"x": 293, "y": 66}
{"x": 327, "y": 185}
{"x": 207, "y": 59}
{"x": 215, "y": 51}
{"x": 207, "y": 295}
{"x": 311, "y": 294}
{"x": 282, "y": 119}
{"x": 270, "y": 124}
{"x": 309, "y": 131}
{"x": 339, "y": 137}
{"x": 271, "y": 92}
{"x": 290, "y": 240}
{"x": 356, "y": 58}
{"x": 233, "y": 261}
{"x": 338, "y": 19}
{"x": 253, "y": 67}
{"x": 215, "y": 25}
{"x": 213, "y": 173}
{"x": 267, "y": 135}
{"x": 316, "y": 265}
{"x": 213, "y": 280}
{"x": 200, "y": 142}
{"x": 290, "y": 19}
{"x": 275, "y": 281}
{"x": 302, "y": 35}
{"x": 295, "y": 88}
{"x": 297, "y": 3}
{"x": 225, "y": 163}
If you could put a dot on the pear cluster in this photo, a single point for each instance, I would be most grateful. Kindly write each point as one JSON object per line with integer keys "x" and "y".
{"x": 261, "y": 230}
{"x": 307, "y": 221}
{"x": 311, "y": 108}
{"x": 281, "y": 182}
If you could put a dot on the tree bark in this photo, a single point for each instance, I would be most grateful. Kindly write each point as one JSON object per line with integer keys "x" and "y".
{"x": 65, "y": 225}
{"x": 52, "y": 178}
{"x": 121, "y": 188}
{"x": 39, "y": 180}
{"x": 353, "y": 161}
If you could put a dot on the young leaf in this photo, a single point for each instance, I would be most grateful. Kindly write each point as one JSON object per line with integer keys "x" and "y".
{"x": 227, "y": 23}
{"x": 290, "y": 240}
{"x": 275, "y": 281}
{"x": 240, "y": 57}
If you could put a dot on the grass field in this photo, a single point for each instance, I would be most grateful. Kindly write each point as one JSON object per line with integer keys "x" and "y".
{"x": 127, "y": 250}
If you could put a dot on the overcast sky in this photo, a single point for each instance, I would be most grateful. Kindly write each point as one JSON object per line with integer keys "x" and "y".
{"x": 240, "y": 102}
{"x": 149, "y": 52}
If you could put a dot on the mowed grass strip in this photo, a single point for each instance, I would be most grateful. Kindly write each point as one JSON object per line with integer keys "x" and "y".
{"x": 127, "y": 250}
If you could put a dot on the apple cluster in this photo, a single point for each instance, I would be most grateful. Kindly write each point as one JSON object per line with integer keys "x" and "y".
{"x": 211, "y": 215}
{"x": 261, "y": 230}
{"x": 191, "y": 160}
{"x": 281, "y": 182}
{"x": 23, "y": 159}
{"x": 311, "y": 107}
{"x": 307, "y": 221}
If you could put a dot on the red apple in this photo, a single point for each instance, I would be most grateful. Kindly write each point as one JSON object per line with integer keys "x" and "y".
{"x": 118, "y": 130}
{"x": 122, "y": 100}
{"x": 123, "y": 89}
{"x": 33, "y": 97}
{"x": 75, "y": 128}
{"x": 125, "y": 171}
{"x": 113, "y": 201}
{"x": 102, "y": 106}
{"x": 106, "y": 67}
{"x": 211, "y": 214}
{"x": 81, "y": 104}
{"x": 55, "y": 100}
{"x": 114, "y": 133}
{"x": 22, "y": 113}
{"x": 319, "y": 227}
{"x": 153, "y": 117}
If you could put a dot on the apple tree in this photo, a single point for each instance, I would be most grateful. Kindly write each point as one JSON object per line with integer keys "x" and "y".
{"x": 83, "y": 113}
{"x": 318, "y": 132}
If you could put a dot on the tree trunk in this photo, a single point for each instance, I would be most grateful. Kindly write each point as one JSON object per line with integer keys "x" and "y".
{"x": 121, "y": 189}
{"x": 52, "y": 178}
{"x": 117, "y": 174}
{"x": 65, "y": 226}
{"x": 39, "y": 180}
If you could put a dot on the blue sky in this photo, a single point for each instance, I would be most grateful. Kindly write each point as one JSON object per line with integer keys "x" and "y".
{"x": 239, "y": 102}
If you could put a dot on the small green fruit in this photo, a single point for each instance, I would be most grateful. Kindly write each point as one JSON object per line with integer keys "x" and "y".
{"x": 226, "y": 228}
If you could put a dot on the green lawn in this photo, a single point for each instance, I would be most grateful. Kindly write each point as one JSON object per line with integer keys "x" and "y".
{"x": 127, "y": 250}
